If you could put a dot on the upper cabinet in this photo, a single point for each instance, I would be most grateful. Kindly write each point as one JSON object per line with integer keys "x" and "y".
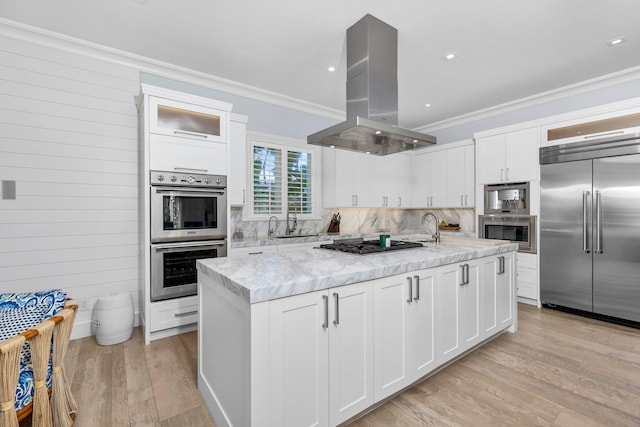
{"x": 508, "y": 157}
{"x": 186, "y": 120}
{"x": 237, "y": 179}
{"x": 183, "y": 132}
{"x": 444, "y": 177}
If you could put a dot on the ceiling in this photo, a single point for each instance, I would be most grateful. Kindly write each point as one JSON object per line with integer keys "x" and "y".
{"x": 508, "y": 49}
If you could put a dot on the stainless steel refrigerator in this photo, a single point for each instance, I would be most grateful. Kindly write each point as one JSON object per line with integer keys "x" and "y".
{"x": 590, "y": 227}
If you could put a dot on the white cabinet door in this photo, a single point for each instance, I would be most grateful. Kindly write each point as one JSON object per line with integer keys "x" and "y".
{"x": 170, "y": 153}
{"x": 456, "y": 177}
{"x": 490, "y": 158}
{"x": 390, "y": 325}
{"x": 397, "y": 170}
{"x": 521, "y": 155}
{"x": 508, "y": 157}
{"x": 469, "y": 187}
{"x": 421, "y": 324}
{"x": 458, "y": 310}
{"x": 345, "y": 178}
{"x": 237, "y": 180}
{"x": 298, "y": 361}
{"x": 438, "y": 179}
{"x": 420, "y": 188}
{"x": 496, "y": 292}
{"x": 350, "y": 351}
{"x": 181, "y": 119}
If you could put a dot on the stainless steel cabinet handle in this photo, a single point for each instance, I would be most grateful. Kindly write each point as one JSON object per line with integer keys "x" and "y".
{"x": 356, "y": 197}
{"x": 461, "y": 200}
{"x": 399, "y": 202}
{"x": 417, "y": 298}
{"x": 585, "y": 222}
{"x": 188, "y": 313}
{"x": 598, "y": 223}
{"x": 336, "y": 322}
{"x": 465, "y": 274}
{"x": 501, "y": 268}
{"x": 506, "y": 175}
{"x": 325, "y": 299}
{"x": 185, "y": 132}
{"x": 501, "y": 174}
{"x": 244, "y": 196}
{"x": 254, "y": 253}
{"x": 466, "y": 199}
{"x": 410, "y": 290}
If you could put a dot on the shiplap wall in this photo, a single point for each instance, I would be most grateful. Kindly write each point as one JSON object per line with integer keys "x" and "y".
{"x": 68, "y": 137}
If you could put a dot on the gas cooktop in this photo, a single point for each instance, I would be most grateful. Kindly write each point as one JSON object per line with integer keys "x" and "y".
{"x": 368, "y": 246}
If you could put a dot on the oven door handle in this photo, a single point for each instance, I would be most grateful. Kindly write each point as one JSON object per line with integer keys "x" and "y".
{"x": 188, "y": 245}
{"x": 190, "y": 191}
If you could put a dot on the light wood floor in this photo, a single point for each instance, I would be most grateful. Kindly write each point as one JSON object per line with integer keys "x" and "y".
{"x": 557, "y": 370}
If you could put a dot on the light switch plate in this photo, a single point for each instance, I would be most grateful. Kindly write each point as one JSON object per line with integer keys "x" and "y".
{"x": 8, "y": 190}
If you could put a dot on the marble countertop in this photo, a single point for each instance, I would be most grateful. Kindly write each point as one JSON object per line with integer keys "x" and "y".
{"x": 324, "y": 237}
{"x": 271, "y": 276}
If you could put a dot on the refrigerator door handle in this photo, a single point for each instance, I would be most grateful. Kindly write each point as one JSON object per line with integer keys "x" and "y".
{"x": 585, "y": 222}
{"x": 598, "y": 224}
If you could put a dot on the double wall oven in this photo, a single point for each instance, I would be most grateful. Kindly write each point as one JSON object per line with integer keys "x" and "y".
{"x": 188, "y": 222}
{"x": 507, "y": 217}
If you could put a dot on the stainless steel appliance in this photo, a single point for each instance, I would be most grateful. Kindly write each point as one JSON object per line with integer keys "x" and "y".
{"x": 188, "y": 207}
{"x": 590, "y": 227}
{"x": 362, "y": 247}
{"x": 520, "y": 229}
{"x": 372, "y": 96}
{"x": 173, "y": 266}
{"x": 510, "y": 199}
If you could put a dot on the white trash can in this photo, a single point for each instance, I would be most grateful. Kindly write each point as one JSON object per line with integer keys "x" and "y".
{"x": 113, "y": 319}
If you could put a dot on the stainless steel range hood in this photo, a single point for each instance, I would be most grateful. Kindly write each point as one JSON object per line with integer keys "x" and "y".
{"x": 372, "y": 95}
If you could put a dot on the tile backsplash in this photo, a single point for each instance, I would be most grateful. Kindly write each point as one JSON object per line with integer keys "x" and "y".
{"x": 358, "y": 221}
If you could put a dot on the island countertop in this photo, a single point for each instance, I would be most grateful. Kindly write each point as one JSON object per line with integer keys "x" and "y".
{"x": 271, "y": 276}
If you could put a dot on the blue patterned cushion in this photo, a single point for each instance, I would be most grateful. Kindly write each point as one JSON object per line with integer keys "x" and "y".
{"x": 18, "y": 313}
{"x": 51, "y": 301}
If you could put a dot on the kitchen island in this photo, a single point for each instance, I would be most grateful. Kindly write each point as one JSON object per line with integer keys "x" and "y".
{"x": 316, "y": 337}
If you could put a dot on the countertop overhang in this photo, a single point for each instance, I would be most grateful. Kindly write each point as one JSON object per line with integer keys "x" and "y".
{"x": 270, "y": 276}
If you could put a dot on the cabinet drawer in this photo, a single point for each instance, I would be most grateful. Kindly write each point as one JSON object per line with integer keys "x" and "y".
{"x": 170, "y": 153}
{"x": 527, "y": 260}
{"x": 527, "y": 290}
{"x": 528, "y": 275}
{"x": 173, "y": 313}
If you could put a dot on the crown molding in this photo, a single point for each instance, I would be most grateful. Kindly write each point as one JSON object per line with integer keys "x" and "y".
{"x": 586, "y": 86}
{"x": 50, "y": 39}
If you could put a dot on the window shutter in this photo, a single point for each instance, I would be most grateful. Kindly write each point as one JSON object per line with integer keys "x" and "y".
{"x": 267, "y": 180}
{"x": 299, "y": 191}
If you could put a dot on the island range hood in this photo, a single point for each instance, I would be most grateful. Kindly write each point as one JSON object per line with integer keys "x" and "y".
{"x": 372, "y": 95}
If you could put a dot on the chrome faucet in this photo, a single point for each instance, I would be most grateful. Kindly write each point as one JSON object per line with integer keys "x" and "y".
{"x": 271, "y": 231}
{"x": 436, "y": 235}
{"x": 290, "y": 230}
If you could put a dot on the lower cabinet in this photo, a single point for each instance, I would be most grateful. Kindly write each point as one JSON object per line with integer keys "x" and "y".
{"x": 403, "y": 325}
{"x": 321, "y": 356}
{"x": 458, "y": 309}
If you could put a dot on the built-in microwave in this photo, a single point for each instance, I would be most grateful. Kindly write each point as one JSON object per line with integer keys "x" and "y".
{"x": 518, "y": 229}
{"x": 507, "y": 199}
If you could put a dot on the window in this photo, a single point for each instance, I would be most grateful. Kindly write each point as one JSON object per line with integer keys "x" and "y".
{"x": 284, "y": 173}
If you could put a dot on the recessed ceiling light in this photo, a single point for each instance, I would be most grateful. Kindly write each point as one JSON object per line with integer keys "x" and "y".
{"x": 332, "y": 146}
{"x": 427, "y": 105}
{"x": 331, "y": 69}
{"x": 451, "y": 55}
{"x": 616, "y": 41}
{"x": 378, "y": 132}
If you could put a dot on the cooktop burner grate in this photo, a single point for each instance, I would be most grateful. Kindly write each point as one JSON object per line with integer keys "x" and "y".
{"x": 368, "y": 246}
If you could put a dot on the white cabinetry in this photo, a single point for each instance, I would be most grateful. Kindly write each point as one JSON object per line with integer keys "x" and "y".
{"x": 237, "y": 179}
{"x": 528, "y": 276}
{"x": 444, "y": 177}
{"x": 253, "y": 250}
{"x": 404, "y": 336}
{"x": 508, "y": 157}
{"x": 188, "y": 120}
{"x": 389, "y": 182}
{"x": 430, "y": 186}
{"x": 321, "y": 356}
{"x": 171, "y": 153}
{"x": 461, "y": 176}
{"x": 458, "y": 309}
{"x": 496, "y": 293}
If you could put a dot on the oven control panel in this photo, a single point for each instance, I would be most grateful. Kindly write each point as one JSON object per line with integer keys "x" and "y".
{"x": 187, "y": 179}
